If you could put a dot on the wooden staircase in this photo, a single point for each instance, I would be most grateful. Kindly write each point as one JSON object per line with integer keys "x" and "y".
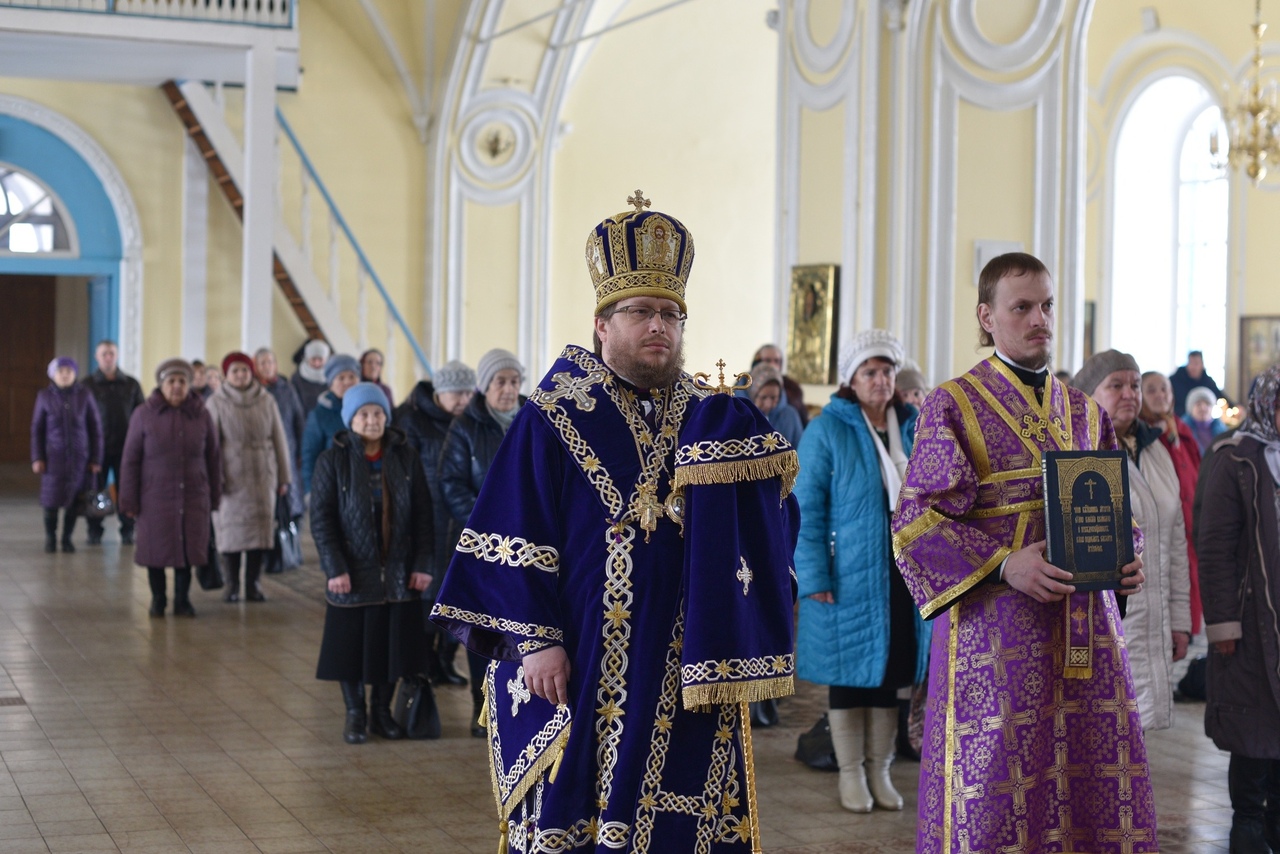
{"x": 222, "y": 177}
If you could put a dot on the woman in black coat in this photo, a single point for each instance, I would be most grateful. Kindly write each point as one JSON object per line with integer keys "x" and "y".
{"x": 371, "y": 521}
{"x": 469, "y": 448}
{"x": 1238, "y": 544}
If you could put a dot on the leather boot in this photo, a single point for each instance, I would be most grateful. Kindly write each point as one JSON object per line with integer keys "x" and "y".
{"x": 50, "y": 530}
{"x": 381, "y": 723}
{"x": 1247, "y": 786}
{"x": 181, "y": 592}
{"x": 848, "y": 739}
{"x": 231, "y": 575}
{"x": 882, "y": 736}
{"x": 68, "y": 526}
{"x": 764, "y": 713}
{"x": 353, "y": 732}
{"x": 252, "y": 575}
{"x": 155, "y": 579}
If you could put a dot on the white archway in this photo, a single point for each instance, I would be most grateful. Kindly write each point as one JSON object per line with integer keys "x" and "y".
{"x": 126, "y": 213}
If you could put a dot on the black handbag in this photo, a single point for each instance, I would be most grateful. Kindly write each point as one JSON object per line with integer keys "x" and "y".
{"x": 415, "y": 708}
{"x": 286, "y": 552}
{"x": 96, "y": 503}
{"x": 815, "y": 749}
{"x": 209, "y": 576}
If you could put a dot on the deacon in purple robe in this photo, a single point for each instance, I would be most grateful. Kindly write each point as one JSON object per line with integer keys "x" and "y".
{"x": 627, "y": 567}
{"x": 1033, "y": 740}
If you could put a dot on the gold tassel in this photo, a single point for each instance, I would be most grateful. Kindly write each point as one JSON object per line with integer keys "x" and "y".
{"x": 561, "y": 744}
{"x": 784, "y": 465}
{"x": 483, "y": 720}
{"x": 696, "y": 696}
{"x": 502, "y": 840}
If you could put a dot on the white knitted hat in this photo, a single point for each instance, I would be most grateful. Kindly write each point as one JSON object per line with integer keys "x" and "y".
{"x": 868, "y": 344}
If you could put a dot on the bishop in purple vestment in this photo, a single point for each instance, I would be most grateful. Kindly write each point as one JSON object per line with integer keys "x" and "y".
{"x": 1033, "y": 741}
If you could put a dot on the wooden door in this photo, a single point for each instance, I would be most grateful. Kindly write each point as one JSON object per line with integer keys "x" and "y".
{"x": 27, "y": 319}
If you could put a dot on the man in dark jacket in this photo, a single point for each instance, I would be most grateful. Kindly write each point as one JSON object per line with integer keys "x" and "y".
{"x": 291, "y": 413}
{"x": 1189, "y": 376}
{"x": 117, "y": 395}
{"x": 425, "y": 417}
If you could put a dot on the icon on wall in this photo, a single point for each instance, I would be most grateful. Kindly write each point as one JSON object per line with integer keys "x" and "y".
{"x": 811, "y": 339}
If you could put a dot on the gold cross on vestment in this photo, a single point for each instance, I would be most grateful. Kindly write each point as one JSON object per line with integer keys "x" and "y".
{"x": 519, "y": 693}
{"x": 1034, "y": 425}
{"x": 639, "y": 201}
{"x": 1122, "y": 770}
{"x": 1008, "y": 722}
{"x": 1063, "y": 771}
{"x": 1078, "y": 616}
{"x": 963, "y": 794}
{"x": 1118, "y": 707}
{"x": 577, "y": 389}
{"x": 1017, "y": 785}
{"x": 1063, "y": 707}
{"x": 1126, "y": 834}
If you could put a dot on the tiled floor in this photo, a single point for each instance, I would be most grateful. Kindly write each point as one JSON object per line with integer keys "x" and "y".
{"x": 120, "y": 732}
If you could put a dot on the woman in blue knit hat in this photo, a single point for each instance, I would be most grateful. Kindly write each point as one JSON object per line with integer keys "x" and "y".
{"x": 371, "y": 521}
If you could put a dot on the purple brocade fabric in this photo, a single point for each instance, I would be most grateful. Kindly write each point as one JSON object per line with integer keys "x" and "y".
{"x": 1033, "y": 741}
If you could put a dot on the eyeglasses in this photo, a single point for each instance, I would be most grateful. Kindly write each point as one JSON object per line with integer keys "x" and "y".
{"x": 638, "y": 314}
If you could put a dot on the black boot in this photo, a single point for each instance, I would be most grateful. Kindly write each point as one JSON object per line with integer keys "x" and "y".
{"x": 181, "y": 589}
{"x": 353, "y": 732}
{"x": 905, "y": 750}
{"x": 1247, "y": 786}
{"x": 68, "y": 526}
{"x": 155, "y": 578}
{"x": 126, "y": 531}
{"x": 231, "y": 575}
{"x": 449, "y": 674}
{"x": 381, "y": 723}
{"x": 252, "y": 574}
{"x": 764, "y": 713}
{"x": 95, "y": 532}
{"x": 1272, "y": 819}
{"x": 50, "y": 530}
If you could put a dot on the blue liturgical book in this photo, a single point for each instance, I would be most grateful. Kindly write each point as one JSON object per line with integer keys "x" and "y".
{"x": 1088, "y": 518}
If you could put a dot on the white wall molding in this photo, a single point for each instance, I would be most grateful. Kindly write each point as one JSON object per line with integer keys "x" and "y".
{"x": 126, "y": 212}
{"x": 962, "y": 15}
{"x": 1071, "y": 282}
{"x": 195, "y": 251}
{"x": 951, "y": 83}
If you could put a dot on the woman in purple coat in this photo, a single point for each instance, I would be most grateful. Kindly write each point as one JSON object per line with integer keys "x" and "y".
{"x": 66, "y": 444}
{"x": 171, "y": 480}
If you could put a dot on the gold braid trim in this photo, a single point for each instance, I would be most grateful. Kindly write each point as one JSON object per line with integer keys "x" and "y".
{"x": 785, "y": 465}
{"x": 699, "y": 697}
{"x": 550, "y": 759}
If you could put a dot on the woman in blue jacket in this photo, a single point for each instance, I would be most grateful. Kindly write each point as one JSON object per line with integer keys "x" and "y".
{"x": 859, "y": 630}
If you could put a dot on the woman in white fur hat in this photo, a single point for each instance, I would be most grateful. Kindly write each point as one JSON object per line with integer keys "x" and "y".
{"x": 859, "y": 631}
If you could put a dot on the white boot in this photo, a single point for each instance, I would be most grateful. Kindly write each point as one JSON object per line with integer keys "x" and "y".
{"x": 848, "y": 738}
{"x": 882, "y": 737}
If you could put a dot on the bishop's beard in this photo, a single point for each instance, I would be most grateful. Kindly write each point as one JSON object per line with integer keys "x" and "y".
{"x": 646, "y": 374}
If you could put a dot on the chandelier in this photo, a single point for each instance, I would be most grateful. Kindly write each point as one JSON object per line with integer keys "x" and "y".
{"x": 1253, "y": 125}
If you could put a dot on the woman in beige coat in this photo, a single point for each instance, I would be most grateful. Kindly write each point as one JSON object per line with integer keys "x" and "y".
{"x": 1157, "y": 622}
{"x": 255, "y": 470}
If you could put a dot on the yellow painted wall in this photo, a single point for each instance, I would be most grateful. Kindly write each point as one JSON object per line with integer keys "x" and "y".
{"x": 698, "y": 136}
{"x": 820, "y": 218}
{"x": 995, "y": 192}
{"x": 491, "y": 270}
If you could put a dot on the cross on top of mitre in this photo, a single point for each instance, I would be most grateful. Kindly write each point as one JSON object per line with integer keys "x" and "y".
{"x": 639, "y": 201}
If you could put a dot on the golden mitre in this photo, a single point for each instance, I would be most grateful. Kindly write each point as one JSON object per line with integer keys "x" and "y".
{"x": 639, "y": 253}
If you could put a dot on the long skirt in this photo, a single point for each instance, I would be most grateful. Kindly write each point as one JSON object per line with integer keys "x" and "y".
{"x": 900, "y": 669}
{"x": 372, "y": 643}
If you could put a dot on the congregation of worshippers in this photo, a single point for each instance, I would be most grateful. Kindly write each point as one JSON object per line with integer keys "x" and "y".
{"x": 214, "y": 467}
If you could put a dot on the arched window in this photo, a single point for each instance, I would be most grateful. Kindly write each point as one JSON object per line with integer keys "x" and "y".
{"x": 33, "y": 220}
{"x": 1169, "y": 238}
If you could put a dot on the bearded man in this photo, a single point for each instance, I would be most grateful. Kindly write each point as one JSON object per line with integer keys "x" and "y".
{"x": 647, "y": 624}
{"x": 1032, "y": 741}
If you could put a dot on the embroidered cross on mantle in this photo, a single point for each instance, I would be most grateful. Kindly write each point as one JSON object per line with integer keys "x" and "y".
{"x": 519, "y": 693}
{"x": 745, "y": 575}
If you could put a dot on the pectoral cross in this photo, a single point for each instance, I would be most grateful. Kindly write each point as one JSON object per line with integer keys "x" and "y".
{"x": 1034, "y": 425}
{"x": 1089, "y": 483}
{"x": 744, "y": 575}
{"x": 650, "y": 508}
{"x": 519, "y": 693}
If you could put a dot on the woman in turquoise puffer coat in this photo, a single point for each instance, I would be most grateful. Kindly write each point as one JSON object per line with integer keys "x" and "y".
{"x": 859, "y": 630}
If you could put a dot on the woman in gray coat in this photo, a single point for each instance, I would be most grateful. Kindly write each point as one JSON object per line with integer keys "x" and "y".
{"x": 255, "y": 469}
{"x": 1238, "y": 541}
{"x": 170, "y": 480}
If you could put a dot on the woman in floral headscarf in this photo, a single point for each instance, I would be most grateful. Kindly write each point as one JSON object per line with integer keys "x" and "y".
{"x": 1239, "y": 546}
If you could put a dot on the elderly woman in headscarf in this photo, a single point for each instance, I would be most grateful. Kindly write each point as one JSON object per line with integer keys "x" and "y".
{"x": 468, "y": 451}
{"x": 309, "y": 381}
{"x": 1157, "y": 622}
{"x": 769, "y": 395}
{"x": 1239, "y": 546}
{"x": 1199, "y": 417}
{"x": 859, "y": 631}
{"x": 255, "y": 471}
{"x": 170, "y": 480}
{"x": 66, "y": 446}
